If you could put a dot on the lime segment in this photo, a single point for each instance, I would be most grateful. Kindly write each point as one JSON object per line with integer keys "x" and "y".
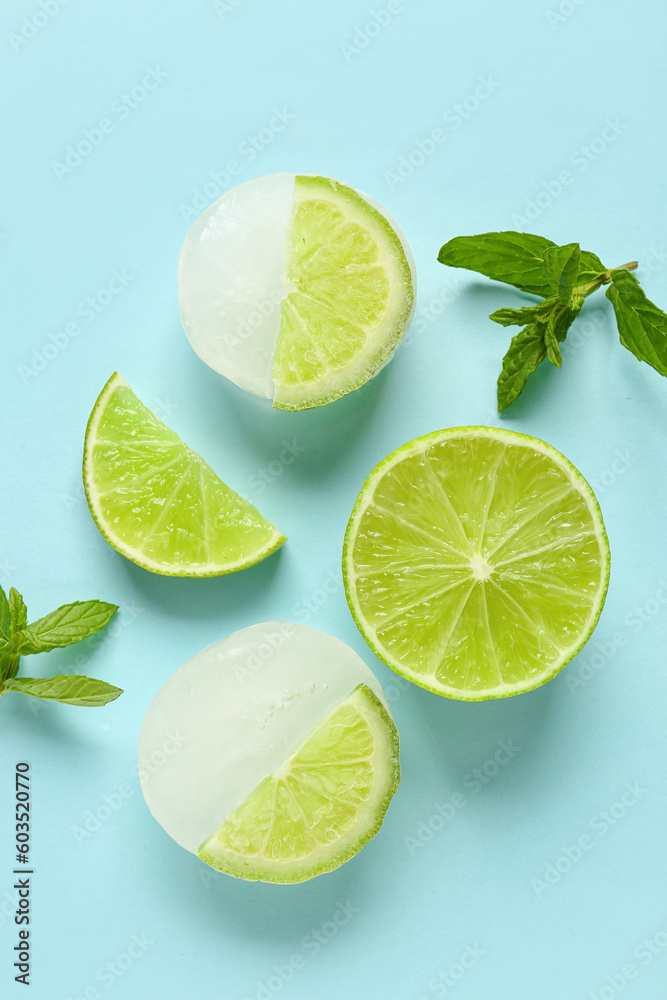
{"x": 158, "y": 502}
{"x": 321, "y": 806}
{"x": 350, "y": 295}
{"x": 476, "y": 562}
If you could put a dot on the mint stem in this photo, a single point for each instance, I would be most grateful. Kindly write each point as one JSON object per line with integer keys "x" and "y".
{"x": 603, "y": 279}
{"x": 10, "y": 668}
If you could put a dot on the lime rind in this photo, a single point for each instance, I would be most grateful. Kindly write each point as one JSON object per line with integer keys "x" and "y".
{"x": 244, "y": 847}
{"x": 501, "y": 689}
{"x": 172, "y": 445}
{"x": 374, "y": 326}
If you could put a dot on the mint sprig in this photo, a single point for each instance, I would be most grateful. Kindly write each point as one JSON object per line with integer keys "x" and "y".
{"x": 65, "y": 626}
{"x": 564, "y": 276}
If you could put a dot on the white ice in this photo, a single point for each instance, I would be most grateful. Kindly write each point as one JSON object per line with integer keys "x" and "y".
{"x": 232, "y": 279}
{"x": 232, "y": 714}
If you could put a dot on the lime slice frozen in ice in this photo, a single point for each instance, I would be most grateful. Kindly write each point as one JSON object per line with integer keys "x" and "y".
{"x": 296, "y": 287}
{"x": 270, "y": 754}
{"x": 476, "y": 562}
{"x": 321, "y": 806}
{"x": 158, "y": 502}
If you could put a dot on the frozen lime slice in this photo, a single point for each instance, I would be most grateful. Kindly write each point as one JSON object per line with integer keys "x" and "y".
{"x": 270, "y": 754}
{"x": 157, "y": 502}
{"x": 296, "y": 287}
{"x": 321, "y": 806}
{"x": 476, "y": 562}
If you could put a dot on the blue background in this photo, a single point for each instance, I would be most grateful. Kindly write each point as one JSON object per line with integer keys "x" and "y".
{"x": 566, "y": 138}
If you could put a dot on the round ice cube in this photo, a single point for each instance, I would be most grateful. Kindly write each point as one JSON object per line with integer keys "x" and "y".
{"x": 232, "y": 278}
{"x": 231, "y": 715}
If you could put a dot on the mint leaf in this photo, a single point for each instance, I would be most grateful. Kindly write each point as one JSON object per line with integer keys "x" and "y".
{"x": 560, "y": 320}
{"x": 5, "y": 615}
{"x": 17, "y": 610}
{"x": 514, "y": 317}
{"x": 641, "y": 324}
{"x": 70, "y": 689}
{"x": 561, "y": 265}
{"x": 68, "y": 624}
{"x": 515, "y": 258}
{"x": 551, "y": 342}
{"x": 590, "y": 267}
{"x": 526, "y": 351}
{"x": 9, "y": 659}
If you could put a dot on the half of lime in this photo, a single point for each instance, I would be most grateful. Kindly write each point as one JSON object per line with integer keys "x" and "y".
{"x": 476, "y": 562}
{"x": 158, "y": 502}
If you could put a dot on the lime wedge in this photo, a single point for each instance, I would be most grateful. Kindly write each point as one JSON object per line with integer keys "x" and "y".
{"x": 350, "y": 295}
{"x": 476, "y": 562}
{"x": 321, "y": 806}
{"x": 157, "y": 502}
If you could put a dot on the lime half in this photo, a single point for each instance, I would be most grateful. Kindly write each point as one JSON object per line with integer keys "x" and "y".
{"x": 476, "y": 562}
{"x": 296, "y": 287}
{"x": 321, "y": 806}
{"x": 158, "y": 502}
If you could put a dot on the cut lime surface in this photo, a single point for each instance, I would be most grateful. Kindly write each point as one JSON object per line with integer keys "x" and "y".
{"x": 158, "y": 502}
{"x": 321, "y": 806}
{"x": 297, "y": 288}
{"x": 244, "y": 709}
{"x": 476, "y": 562}
{"x": 350, "y": 295}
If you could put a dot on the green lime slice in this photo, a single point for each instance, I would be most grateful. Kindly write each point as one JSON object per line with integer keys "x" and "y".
{"x": 476, "y": 562}
{"x": 350, "y": 295}
{"x": 321, "y": 806}
{"x": 158, "y": 502}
